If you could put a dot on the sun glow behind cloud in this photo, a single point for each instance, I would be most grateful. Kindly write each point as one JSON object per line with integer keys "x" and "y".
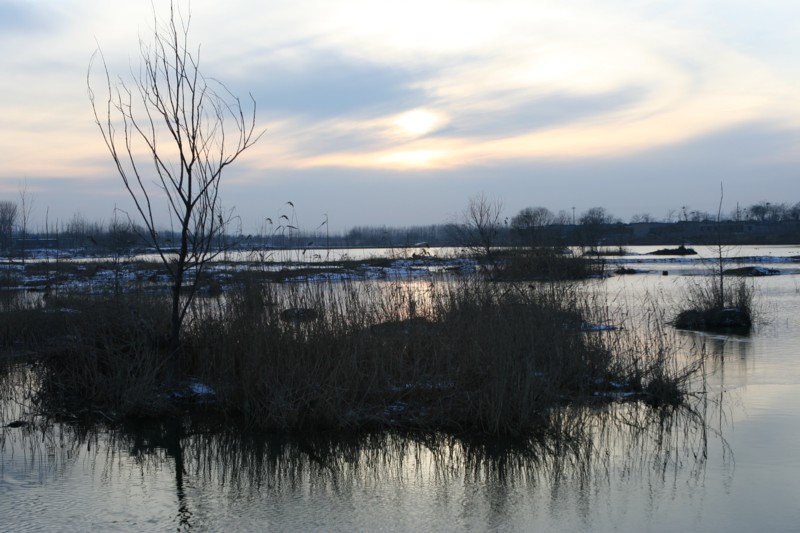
{"x": 418, "y": 122}
{"x": 492, "y": 59}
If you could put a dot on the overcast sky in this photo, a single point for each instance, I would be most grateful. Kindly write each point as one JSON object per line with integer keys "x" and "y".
{"x": 396, "y": 113}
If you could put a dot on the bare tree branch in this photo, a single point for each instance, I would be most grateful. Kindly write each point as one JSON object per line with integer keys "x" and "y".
{"x": 167, "y": 130}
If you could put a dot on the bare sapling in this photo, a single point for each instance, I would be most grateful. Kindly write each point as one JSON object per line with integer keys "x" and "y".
{"x": 171, "y": 131}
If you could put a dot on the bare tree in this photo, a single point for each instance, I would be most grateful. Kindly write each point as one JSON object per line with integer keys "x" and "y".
{"x": 120, "y": 237}
{"x": 794, "y": 212}
{"x": 695, "y": 215}
{"x": 8, "y": 217}
{"x": 529, "y": 222}
{"x": 26, "y": 209}
{"x": 596, "y": 216}
{"x": 80, "y": 232}
{"x": 759, "y": 211}
{"x": 778, "y": 212}
{"x": 563, "y": 217}
{"x": 480, "y": 224}
{"x": 592, "y": 222}
{"x": 171, "y": 132}
{"x": 641, "y": 218}
{"x": 532, "y": 217}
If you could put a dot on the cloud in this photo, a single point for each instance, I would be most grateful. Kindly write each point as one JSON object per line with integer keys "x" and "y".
{"x": 540, "y": 113}
{"x": 327, "y": 85}
{"x": 19, "y": 17}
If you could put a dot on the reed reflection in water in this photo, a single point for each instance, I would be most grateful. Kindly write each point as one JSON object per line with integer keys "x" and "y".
{"x": 195, "y": 475}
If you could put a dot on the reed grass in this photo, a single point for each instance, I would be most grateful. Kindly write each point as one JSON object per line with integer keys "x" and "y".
{"x": 462, "y": 355}
{"x": 109, "y": 359}
{"x": 716, "y": 303}
{"x": 546, "y": 263}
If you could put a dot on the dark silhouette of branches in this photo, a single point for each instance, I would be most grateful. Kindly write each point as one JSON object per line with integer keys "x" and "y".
{"x": 171, "y": 132}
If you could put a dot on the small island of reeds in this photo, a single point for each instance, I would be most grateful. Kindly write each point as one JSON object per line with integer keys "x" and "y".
{"x": 460, "y": 352}
{"x": 718, "y": 305}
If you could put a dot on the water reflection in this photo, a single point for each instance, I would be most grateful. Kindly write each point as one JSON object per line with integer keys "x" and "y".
{"x": 193, "y": 474}
{"x": 718, "y": 346}
{"x": 730, "y": 359}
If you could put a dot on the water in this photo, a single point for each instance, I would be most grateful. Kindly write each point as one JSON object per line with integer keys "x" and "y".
{"x": 733, "y": 466}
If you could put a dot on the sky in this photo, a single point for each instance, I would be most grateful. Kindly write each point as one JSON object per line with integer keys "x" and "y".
{"x": 397, "y": 113}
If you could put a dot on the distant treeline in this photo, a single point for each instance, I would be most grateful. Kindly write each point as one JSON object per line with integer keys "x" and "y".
{"x": 762, "y": 223}
{"x": 100, "y": 240}
{"x": 613, "y": 234}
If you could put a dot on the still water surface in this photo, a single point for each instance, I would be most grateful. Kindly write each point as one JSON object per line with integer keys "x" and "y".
{"x": 732, "y": 466}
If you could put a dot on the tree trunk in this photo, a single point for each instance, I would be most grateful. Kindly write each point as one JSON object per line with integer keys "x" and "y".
{"x": 176, "y": 318}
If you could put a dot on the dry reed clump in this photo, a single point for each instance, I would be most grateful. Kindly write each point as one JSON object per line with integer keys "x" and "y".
{"x": 27, "y": 324}
{"x": 545, "y": 263}
{"x": 718, "y": 304}
{"x": 465, "y": 355}
{"x": 462, "y": 355}
{"x": 111, "y": 360}
{"x": 647, "y": 365}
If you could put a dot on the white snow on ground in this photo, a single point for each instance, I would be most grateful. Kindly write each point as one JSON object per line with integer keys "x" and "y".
{"x": 695, "y": 260}
{"x": 587, "y": 326}
{"x": 200, "y": 389}
{"x": 109, "y": 276}
{"x": 765, "y": 271}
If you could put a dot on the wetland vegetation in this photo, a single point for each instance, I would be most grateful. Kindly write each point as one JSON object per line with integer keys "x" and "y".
{"x": 459, "y": 352}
